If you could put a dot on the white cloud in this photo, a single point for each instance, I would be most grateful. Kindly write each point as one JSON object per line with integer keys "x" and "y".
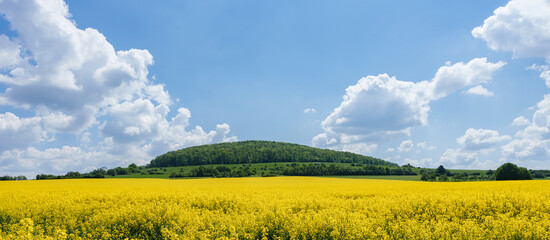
{"x": 458, "y": 158}
{"x": 424, "y": 162}
{"x": 521, "y": 27}
{"x": 544, "y": 72}
{"x": 380, "y": 107}
{"x": 424, "y": 145}
{"x": 452, "y": 78}
{"x": 521, "y": 121}
{"x": 10, "y": 53}
{"x": 19, "y": 132}
{"x": 479, "y": 90}
{"x": 72, "y": 80}
{"x": 477, "y": 139}
{"x": 177, "y": 137}
{"x": 310, "y": 110}
{"x": 359, "y": 148}
{"x": 473, "y": 143}
{"x": 533, "y": 142}
{"x": 70, "y": 74}
{"x": 370, "y": 106}
{"x": 134, "y": 121}
{"x": 406, "y": 146}
{"x": 32, "y": 161}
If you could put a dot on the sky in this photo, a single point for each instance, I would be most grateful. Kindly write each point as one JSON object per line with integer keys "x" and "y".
{"x": 106, "y": 83}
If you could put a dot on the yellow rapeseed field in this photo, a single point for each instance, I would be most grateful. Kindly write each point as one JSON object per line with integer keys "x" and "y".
{"x": 273, "y": 208}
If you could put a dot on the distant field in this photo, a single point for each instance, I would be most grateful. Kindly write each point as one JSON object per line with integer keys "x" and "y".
{"x": 273, "y": 208}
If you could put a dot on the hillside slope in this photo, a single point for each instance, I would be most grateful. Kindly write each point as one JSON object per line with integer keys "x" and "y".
{"x": 258, "y": 152}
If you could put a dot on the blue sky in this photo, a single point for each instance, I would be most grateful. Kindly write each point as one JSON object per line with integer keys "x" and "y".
{"x": 86, "y": 84}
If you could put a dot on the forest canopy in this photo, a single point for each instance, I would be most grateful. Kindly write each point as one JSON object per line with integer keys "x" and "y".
{"x": 258, "y": 152}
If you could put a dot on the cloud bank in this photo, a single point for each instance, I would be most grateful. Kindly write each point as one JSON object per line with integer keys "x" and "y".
{"x": 522, "y": 27}
{"x": 382, "y": 107}
{"x": 73, "y": 81}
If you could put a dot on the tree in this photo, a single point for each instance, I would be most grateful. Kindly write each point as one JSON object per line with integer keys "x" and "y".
{"x": 428, "y": 176}
{"x": 525, "y": 174}
{"x": 4, "y": 178}
{"x": 73, "y": 175}
{"x": 443, "y": 178}
{"x": 441, "y": 171}
{"x": 510, "y": 171}
{"x": 121, "y": 171}
{"x": 111, "y": 172}
{"x": 19, "y": 178}
{"x": 539, "y": 175}
{"x": 132, "y": 168}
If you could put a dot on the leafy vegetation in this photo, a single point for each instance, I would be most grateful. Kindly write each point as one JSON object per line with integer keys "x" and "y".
{"x": 15, "y": 178}
{"x": 258, "y": 152}
{"x": 317, "y": 169}
{"x": 347, "y": 170}
{"x": 510, "y": 171}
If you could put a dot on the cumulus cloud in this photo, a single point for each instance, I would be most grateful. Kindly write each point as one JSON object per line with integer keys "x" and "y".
{"x": 70, "y": 73}
{"x": 521, "y": 121}
{"x": 19, "y": 132}
{"x": 424, "y": 146}
{"x": 10, "y": 53}
{"x": 380, "y": 107}
{"x": 477, "y": 139}
{"x": 451, "y": 78}
{"x": 533, "y": 142}
{"x": 458, "y": 158}
{"x": 521, "y": 27}
{"x": 479, "y": 90}
{"x": 473, "y": 143}
{"x": 424, "y": 162}
{"x": 71, "y": 80}
{"x": 31, "y": 161}
{"x": 405, "y": 146}
{"x": 310, "y": 110}
{"x": 346, "y": 144}
{"x": 544, "y": 72}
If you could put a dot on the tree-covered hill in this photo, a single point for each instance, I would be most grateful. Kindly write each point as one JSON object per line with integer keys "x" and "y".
{"x": 258, "y": 152}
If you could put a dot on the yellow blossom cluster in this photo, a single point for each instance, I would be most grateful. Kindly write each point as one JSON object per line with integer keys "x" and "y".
{"x": 273, "y": 208}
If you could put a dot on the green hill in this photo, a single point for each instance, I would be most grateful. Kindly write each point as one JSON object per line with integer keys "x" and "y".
{"x": 258, "y": 152}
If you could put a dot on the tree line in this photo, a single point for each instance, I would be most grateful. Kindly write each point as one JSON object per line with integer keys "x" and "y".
{"x": 507, "y": 171}
{"x": 320, "y": 169}
{"x": 220, "y": 171}
{"x": 14, "y": 178}
{"x": 97, "y": 173}
{"x": 294, "y": 169}
{"x": 258, "y": 152}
